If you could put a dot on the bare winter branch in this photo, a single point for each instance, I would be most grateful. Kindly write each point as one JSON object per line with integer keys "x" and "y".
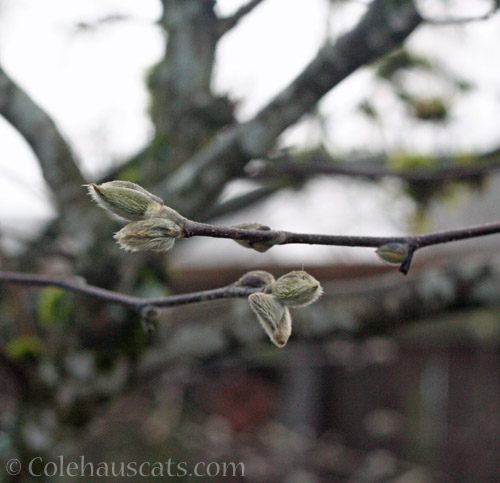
{"x": 462, "y": 20}
{"x": 58, "y": 164}
{"x": 77, "y": 285}
{"x": 156, "y": 227}
{"x": 303, "y": 167}
{"x": 272, "y": 237}
{"x": 228, "y": 23}
{"x": 383, "y": 28}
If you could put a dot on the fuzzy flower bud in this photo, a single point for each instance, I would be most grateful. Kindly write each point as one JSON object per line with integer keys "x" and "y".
{"x": 255, "y": 278}
{"x": 395, "y": 253}
{"x": 156, "y": 234}
{"x": 258, "y": 246}
{"x": 126, "y": 200}
{"x": 273, "y": 316}
{"x": 297, "y": 289}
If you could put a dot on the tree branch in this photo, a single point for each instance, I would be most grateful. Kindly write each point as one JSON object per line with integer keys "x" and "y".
{"x": 365, "y": 305}
{"x": 272, "y": 237}
{"x": 230, "y": 22}
{"x": 240, "y": 202}
{"x": 58, "y": 164}
{"x": 156, "y": 227}
{"x": 303, "y": 167}
{"x": 197, "y": 182}
{"x": 461, "y": 20}
{"x": 78, "y": 285}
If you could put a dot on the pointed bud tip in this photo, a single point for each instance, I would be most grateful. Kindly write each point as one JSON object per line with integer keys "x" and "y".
{"x": 274, "y": 317}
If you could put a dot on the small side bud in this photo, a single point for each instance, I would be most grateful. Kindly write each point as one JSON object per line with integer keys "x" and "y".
{"x": 273, "y": 316}
{"x": 258, "y": 246}
{"x": 126, "y": 200}
{"x": 297, "y": 289}
{"x": 255, "y": 278}
{"x": 395, "y": 253}
{"x": 149, "y": 318}
{"x": 156, "y": 234}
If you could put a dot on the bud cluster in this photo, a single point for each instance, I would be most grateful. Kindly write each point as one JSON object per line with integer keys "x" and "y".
{"x": 294, "y": 289}
{"x": 154, "y": 226}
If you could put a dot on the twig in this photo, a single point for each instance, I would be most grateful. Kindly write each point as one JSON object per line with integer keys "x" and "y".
{"x": 77, "y": 285}
{"x": 273, "y": 237}
{"x": 228, "y": 23}
{"x": 462, "y": 20}
{"x": 240, "y": 202}
{"x": 156, "y": 227}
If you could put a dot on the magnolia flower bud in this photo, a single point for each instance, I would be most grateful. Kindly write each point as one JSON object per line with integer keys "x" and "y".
{"x": 273, "y": 316}
{"x": 395, "y": 253}
{"x": 255, "y": 278}
{"x": 297, "y": 289}
{"x": 259, "y": 246}
{"x": 156, "y": 234}
{"x": 126, "y": 200}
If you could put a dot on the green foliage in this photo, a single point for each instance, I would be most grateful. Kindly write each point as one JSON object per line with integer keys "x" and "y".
{"x": 404, "y": 161}
{"x": 432, "y": 109}
{"x": 399, "y": 61}
{"x": 25, "y": 348}
{"x": 422, "y": 192}
{"x": 55, "y": 307}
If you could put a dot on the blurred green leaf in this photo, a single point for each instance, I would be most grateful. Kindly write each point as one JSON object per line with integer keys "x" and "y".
{"x": 54, "y": 307}
{"x": 25, "y": 348}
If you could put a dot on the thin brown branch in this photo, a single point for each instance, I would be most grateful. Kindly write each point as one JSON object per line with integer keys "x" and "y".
{"x": 230, "y": 22}
{"x": 273, "y": 237}
{"x": 156, "y": 227}
{"x": 77, "y": 285}
{"x": 57, "y": 162}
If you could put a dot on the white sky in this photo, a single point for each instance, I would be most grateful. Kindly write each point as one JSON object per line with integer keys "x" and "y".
{"x": 92, "y": 83}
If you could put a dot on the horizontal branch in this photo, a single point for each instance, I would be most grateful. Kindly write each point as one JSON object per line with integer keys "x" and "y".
{"x": 156, "y": 227}
{"x": 77, "y": 285}
{"x": 303, "y": 167}
{"x": 273, "y": 237}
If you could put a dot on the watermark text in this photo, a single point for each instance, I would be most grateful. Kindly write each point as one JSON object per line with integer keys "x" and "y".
{"x": 61, "y": 467}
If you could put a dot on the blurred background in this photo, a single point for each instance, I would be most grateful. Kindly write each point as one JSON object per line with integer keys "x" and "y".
{"x": 393, "y": 130}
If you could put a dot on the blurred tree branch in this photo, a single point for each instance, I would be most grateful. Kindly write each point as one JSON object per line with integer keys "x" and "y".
{"x": 57, "y": 161}
{"x": 495, "y": 6}
{"x": 384, "y": 27}
{"x": 302, "y": 167}
{"x": 227, "y": 23}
